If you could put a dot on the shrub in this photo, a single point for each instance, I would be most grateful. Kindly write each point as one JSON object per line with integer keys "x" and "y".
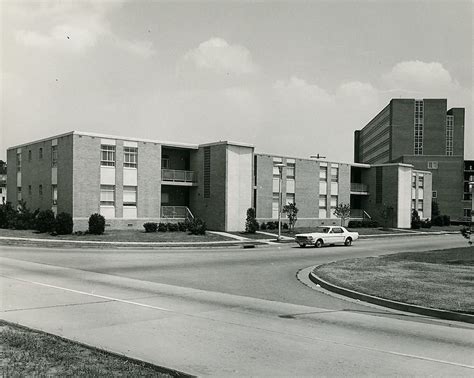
{"x": 354, "y": 224}
{"x": 150, "y": 226}
{"x": 371, "y": 223}
{"x": 162, "y": 227}
{"x": 96, "y": 224}
{"x": 426, "y": 223}
{"x": 415, "y": 220}
{"x": 263, "y": 226}
{"x": 24, "y": 218}
{"x": 172, "y": 227}
{"x": 7, "y": 215}
{"x": 251, "y": 224}
{"x": 182, "y": 226}
{"x": 446, "y": 220}
{"x": 63, "y": 224}
{"x": 437, "y": 220}
{"x": 270, "y": 226}
{"x": 45, "y": 221}
{"x": 285, "y": 226}
{"x": 197, "y": 227}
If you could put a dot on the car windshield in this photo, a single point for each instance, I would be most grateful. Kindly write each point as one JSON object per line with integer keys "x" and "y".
{"x": 323, "y": 230}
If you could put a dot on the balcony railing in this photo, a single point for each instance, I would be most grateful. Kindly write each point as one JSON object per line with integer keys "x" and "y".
{"x": 359, "y": 188}
{"x": 177, "y": 175}
{"x": 176, "y": 212}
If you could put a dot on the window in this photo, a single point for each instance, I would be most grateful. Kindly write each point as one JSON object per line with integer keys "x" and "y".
{"x": 130, "y": 196}
{"x": 54, "y": 156}
{"x": 107, "y": 195}
{"x": 18, "y": 194}
{"x": 275, "y": 205}
{"x": 337, "y": 230}
{"x": 276, "y": 171}
{"x": 413, "y": 181}
{"x": 432, "y": 165}
{"x": 323, "y": 202}
{"x": 420, "y": 205}
{"x": 18, "y": 161}
{"x": 29, "y": 155}
{"x": 40, "y": 190}
{"x": 40, "y": 153}
{"x": 421, "y": 181}
{"x": 334, "y": 174}
{"x": 207, "y": 172}
{"x": 130, "y": 157}
{"x": 333, "y": 202}
{"x": 418, "y": 145}
{"x": 165, "y": 162}
{"x": 107, "y": 153}
{"x": 413, "y": 204}
{"x": 54, "y": 194}
{"x": 449, "y": 135}
{"x": 290, "y": 198}
{"x": 290, "y": 171}
{"x": 29, "y": 190}
{"x": 434, "y": 194}
{"x": 467, "y": 213}
{"x": 323, "y": 173}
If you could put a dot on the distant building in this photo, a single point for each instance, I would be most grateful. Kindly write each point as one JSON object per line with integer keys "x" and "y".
{"x": 468, "y": 200}
{"x": 3, "y": 188}
{"x": 132, "y": 181}
{"x": 425, "y": 134}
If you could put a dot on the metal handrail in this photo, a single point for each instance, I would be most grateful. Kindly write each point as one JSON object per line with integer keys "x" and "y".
{"x": 176, "y": 212}
{"x": 177, "y": 175}
{"x": 359, "y": 187}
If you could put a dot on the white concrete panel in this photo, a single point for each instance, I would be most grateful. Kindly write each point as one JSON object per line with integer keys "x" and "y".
{"x": 107, "y": 211}
{"x": 18, "y": 179}
{"x": 290, "y": 161}
{"x": 404, "y": 197}
{"x": 108, "y": 141}
{"x": 127, "y": 143}
{"x": 238, "y": 186}
{"x": 107, "y": 175}
{"x": 420, "y": 193}
{"x": 322, "y": 214}
{"x": 334, "y": 188}
{"x": 290, "y": 186}
{"x": 130, "y": 212}
{"x": 130, "y": 177}
{"x": 54, "y": 176}
{"x": 323, "y": 188}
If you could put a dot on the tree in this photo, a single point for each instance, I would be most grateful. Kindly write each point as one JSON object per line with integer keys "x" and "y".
{"x": 434, "y": 209}
{"x": 3, "y": 167}
{"x": 415, "y": 220}
{"x": 291, "y": 212}
{"x": 251, "y": 224}
{"x": 342, "y": 211}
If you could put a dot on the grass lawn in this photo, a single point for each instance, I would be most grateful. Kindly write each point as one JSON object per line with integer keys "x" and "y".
{"x": 121, "y": 236}
{"x": 437, "y": 279}
{"x": 29, "y": 353}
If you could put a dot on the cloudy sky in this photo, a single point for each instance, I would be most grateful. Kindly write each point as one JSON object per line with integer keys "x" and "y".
{"x": 293, "y": 78}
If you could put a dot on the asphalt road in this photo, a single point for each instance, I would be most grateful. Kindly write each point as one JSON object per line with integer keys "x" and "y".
{"x": 229, "y": 311}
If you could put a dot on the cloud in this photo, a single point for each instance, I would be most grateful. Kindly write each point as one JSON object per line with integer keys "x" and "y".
{"x": 219, "y": 56}
{"x": 296, "y": 90}
{"x": 418, "y": 76}
{"x": 77, "y": 26}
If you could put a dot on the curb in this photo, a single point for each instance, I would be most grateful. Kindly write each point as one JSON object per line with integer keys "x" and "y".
{"x": 158, "y": 368}
{"x": 400, "y": 306}
{"x": 111, "y": 244}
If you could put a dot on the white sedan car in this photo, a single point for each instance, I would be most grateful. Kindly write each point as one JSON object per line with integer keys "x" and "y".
{"x": 327, "y": 235}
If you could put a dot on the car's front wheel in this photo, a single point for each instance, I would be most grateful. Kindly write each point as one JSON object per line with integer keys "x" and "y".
{"x": 319, "y": 243}
{"x": 348, "y": 242}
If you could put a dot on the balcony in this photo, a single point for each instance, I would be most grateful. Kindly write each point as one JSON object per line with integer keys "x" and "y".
{"x": 358, "y": 188}
{"x": 176, "y": 212}
{"x": 178, "y": 177}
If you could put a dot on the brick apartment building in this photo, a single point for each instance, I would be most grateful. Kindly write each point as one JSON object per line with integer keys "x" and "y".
{"x": 424, "y": 134}
{"x": 131, "y": 181}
